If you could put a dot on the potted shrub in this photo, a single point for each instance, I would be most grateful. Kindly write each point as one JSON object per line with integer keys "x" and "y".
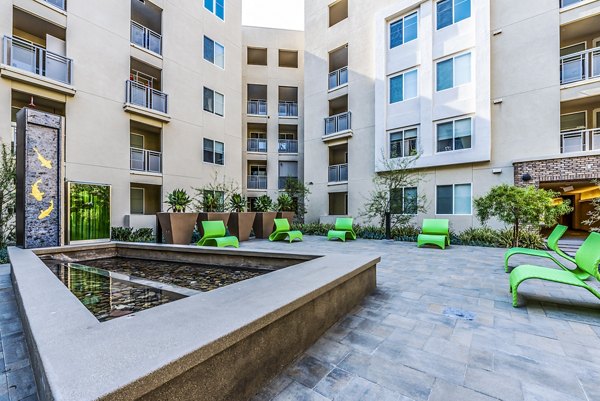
{"x": 265, "y": 216}
{"x": 285, "y": 207}
{"x": 177, "y": 225}
{"x": 240, "y": 221}
{"x": 212, "y": 208}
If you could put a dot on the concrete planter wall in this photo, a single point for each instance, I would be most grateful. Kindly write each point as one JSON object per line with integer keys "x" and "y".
{"x": 177, "y": 228}
{"x": 263, "y": 224}
{"x": 286, "y": 215}
{"x": 212, "y": 216}
{"x": 240, "y": 224}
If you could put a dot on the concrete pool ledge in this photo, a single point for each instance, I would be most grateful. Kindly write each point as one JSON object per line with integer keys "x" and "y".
{"x": 219, "y": 345}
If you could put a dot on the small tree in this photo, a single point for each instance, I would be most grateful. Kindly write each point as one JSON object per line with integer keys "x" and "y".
{"x": 594, "y": 214}
{"x": 299, "y": 194}
{"x": 390, "y": 196}
{"x": 8, "y": 177}
{"x": 216, "y": 195}
{"x": 521, "y": 206}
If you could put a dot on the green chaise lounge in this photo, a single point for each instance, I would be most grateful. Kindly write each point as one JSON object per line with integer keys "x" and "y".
{"x": 214, "y": 235}
{"x": 587, "y": 259}
{"x": 435, "y": 232}
{"x": 552, "y": 243}
{"x": 283, "y": 232}
{"x": 343, "y": 229}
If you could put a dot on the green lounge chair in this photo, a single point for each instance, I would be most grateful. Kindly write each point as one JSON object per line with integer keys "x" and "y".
{"x": 435, "y": 232}
{"x": 282, "y": 231}
{"x": 214, "y": 235}
{"x": 587, "y": 259}
{"x": 552, "y": 244}
{"x": 343, "y": 229}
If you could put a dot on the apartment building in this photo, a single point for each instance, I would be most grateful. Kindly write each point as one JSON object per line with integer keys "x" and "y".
{"x": 273, "y": 123}
{"x": 486, "y": 92}
{"x": 149, "y": 90}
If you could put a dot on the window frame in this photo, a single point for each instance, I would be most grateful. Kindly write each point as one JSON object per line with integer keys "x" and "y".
{"x": 398, "y": 19}
{"x": 403, "y": 130}
{"x": 453, "y": 120}
{"x": 470, "y": 184}
{"x": 213, "y": 151}
{"x": 585, "y": 113}
{"x": 143, "y": 201}
{"x": 403, "y": 198}
{"x": 214, "y": 103}
{"x": 402, "y": 74}
{"x": 215, "y": 44}
{"x": 213, "y": 9}
{"x": 453, "y": 14}
{"x": 453, "y": 57}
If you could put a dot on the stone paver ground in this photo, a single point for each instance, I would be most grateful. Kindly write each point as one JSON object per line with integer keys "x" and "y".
{"x": 441, "y": 327}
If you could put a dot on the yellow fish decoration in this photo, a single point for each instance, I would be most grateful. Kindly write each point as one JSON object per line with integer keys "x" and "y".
{"x": 46, "y": 213}
{"x": 35, "y": 191}
{"x": 43, "y": 161}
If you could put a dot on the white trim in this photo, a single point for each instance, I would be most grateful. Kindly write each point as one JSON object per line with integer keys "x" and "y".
{"x": 396, "y": 19}
{"x": 143, "y": 200}
{"x": 576, "y": 112}
{"x": 453, "y": 119}
{"x": 453, "y": 57}
{"x": 453, "y": 202}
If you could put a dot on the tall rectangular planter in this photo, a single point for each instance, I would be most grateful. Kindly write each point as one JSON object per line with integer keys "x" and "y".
{"x": 286, "y": 215}
{"x": 211, "y": 216}
{"x": 263, "y": 224}
{"x": 177, "y": 228}
{"x": 240, "y": 224}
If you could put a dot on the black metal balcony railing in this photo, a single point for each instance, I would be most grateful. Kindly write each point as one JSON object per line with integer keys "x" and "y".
{"x": 257, "y": 145}
{"x": 145, "y": 160}
{"x": 57, "y": 3}
{"x": 146, "y": 38}
{"x": 338, "y": 173}
{"x": 37, "y": 60}
{"x": 143, "y": 96}
{"x": 257, "y": 107}
{"x": 580, "y": 140}
{"x": 580, "y": 66}
{"x": 288, "y": 109}
{"x": 288, "y": 146}
{"x": 338, "y": 77}
{"x": 257, "y": 182}
{"x": 284, "y": 180}
{"x": 338, "y": 123}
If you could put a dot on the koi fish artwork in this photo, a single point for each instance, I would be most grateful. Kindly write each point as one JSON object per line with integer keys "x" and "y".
{"x": 43, "y": 161}
{"x": 35, "y": 191}
{"x": 46, "y": 213}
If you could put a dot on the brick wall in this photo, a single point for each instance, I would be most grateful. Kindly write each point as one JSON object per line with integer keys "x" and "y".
{"x": 560, "y": 169}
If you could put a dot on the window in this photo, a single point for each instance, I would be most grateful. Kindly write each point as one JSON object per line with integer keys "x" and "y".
{"x": 214, "y": 52}
{"x": 136, "y": 201}
{"x": 403, "y": 86}
{"x": 403, "y": 201}
{"x": 451, "y": 11}
{"x": 214, "y": 152}
{"x": 214, "y": 102}
{"x": 573, "y": 121}
{"x": 454, "y": 135}
{"x": 404, "y": 30}
{"x": 256, "y": 56}
{"x": 453, "y": 72}
{"x": 217, "y": 7}
{"x": 403, "y": 143}
{"x": 338, "y": 12}
{"x": 288, "y": 58}
{"x": 453, "y": 199}
{"x": 218, "y": 195}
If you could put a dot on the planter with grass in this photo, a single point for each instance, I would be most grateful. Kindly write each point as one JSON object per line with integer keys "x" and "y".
{"x": 240, "y": 221}
{"x": 177, "y": 225}
{"x": 265, "y": 217}
{"x": 285, "y": 208}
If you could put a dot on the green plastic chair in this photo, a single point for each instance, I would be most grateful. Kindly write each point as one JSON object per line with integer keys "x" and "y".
{"x": 435, "y": 232}
{"x": 587, "y": 259}
{"x": 214, "y": 235}
{"x": 343, "y": 229}
{"x": 282, "y": 231}
{"x": 552, "y": 244}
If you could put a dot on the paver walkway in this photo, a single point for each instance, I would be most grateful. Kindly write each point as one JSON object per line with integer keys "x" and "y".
{"x": 440, "y": 326}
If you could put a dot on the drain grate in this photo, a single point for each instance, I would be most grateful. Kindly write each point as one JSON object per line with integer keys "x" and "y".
{"x": 459, "y": 313}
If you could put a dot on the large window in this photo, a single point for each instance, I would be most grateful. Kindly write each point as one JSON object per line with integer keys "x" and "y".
{"x": 217, "y": 7}
{"x": 404, "y": 30}
{"x": 403, "y": 143}
{"x": 136, "y": 197}
{"x": 454, "y": 135}
{"x": 403, "y": 86}
{"x": 453, "y": 199}
{"x": 214, "y": 152}
{"x": 451, "y": 11}
{"x": 214, "y": 52}
{"x": 404, "y": 200}
{"x": 453, "y": 72}
{"x": 214, "y": 102}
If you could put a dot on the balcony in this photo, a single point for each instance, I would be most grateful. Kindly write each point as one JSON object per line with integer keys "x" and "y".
{"x": 338, "y": 173}
{"x": 146, "y": 38}
{"x": 338, "y": 78}
{"x": 282, "y": 181}
{"x": 145, "y": 160}
{"x": 143, "y": 96}
{"x": 34, "y": 59}
{"x": 257, "y": 145}
{"x": 338, "y": 123}
{"x": 288, "y": 146}
{"x": 580, "y": 140}
{"x": 580, "y": 66}
{"x": 288, "y": 109}
{"x": 57, "y": 3}
{"x": 257, "y": 107}
{"x": 257, "y": 182}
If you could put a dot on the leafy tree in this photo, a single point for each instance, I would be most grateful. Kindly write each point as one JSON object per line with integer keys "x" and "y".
{"x": 216, "y": 195}
{"x": 521, "y": 206}
{"x": 8, "y": 176}
{"x": 594, "y": 214}
{"x": 389, "y": 195}
{"x": 299, "y": 192}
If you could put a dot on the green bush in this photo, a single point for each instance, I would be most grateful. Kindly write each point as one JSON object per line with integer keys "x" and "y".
{"x": 128, "y": 234}
{"x": 4, "y": 256}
